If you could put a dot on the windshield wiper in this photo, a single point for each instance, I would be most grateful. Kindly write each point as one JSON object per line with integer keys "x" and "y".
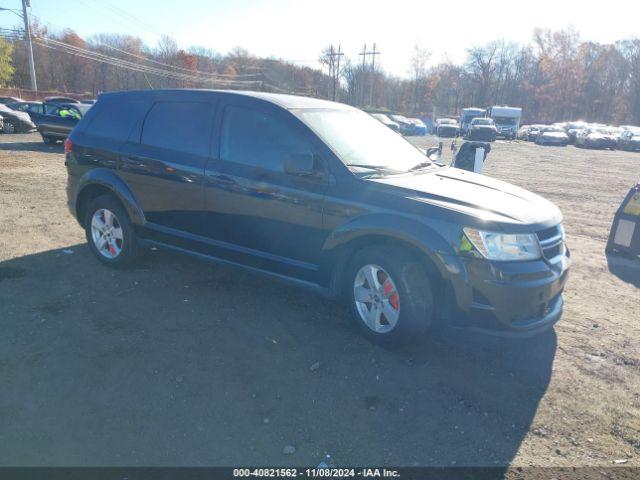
{"x": 428, "y": 163}
{"x": 370, "y": 167}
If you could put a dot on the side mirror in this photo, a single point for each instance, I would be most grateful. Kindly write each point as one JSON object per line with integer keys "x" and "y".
{"x": 301, "y": 164}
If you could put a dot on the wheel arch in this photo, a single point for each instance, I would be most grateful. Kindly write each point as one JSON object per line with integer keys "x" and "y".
{"x": 422, "y": 242}
{"x": 98, "y": 182}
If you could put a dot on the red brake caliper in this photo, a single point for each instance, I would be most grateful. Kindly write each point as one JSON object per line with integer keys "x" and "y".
{"x": 393, "y": 298}
{"x": 112, "y": 250}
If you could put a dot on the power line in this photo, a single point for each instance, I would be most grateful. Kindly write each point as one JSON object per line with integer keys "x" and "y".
{"x": 99, "y": 57}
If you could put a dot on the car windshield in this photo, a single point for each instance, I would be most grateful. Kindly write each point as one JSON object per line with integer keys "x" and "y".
{"x": 505, "y": 120}
{"x": 447, "y": 121}
{"x": 482, "y": 121}
{"x": 360, "y": 140}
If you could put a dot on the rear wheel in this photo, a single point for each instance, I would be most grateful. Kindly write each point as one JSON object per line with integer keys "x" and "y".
{"x": 390, "y": 295}
{"x": 48, "y": 140}
{"x": 109, "y": 232}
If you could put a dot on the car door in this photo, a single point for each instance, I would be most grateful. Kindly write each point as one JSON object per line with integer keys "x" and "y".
{"x": 257, "y": 213}
{"x": 163, "y": 163}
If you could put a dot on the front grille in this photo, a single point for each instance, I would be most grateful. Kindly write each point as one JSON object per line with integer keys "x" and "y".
{"x": 552, "y": 243}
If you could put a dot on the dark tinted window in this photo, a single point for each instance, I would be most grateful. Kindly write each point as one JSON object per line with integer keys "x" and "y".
{"x": 183, "y": 126}
{"x": 114, "y": 119}
{"x": 256, "y": 138}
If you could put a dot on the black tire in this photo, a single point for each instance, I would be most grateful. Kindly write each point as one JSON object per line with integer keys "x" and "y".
{"x": 415, "y": 294}
{"x": 129, "y": 247}
{"x": 9, "y": 127}
{"x": 48, "y": 140}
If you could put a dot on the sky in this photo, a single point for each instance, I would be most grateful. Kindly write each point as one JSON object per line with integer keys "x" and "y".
{"x": 298, "y": 30}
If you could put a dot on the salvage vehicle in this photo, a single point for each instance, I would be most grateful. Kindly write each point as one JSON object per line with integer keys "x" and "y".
{"x": 482, "y": 129}
{"x": 406, "y": 127}
{"x": 506, "y": 119}
{"x": 15, "y": 121}
{"x": 55, "y": 125}
{"x": 419, "y": 128}
{"x": 552, "y": 135}
{"x": 322, "y": 195}
{"x": 447, "y": 127}
{"x": 468, "y": 114}
{"x": 386, "y": 121}
{"x": 629, "y": 140}
{"x": 596, "y": 137}
{"x": 523, "y": 132}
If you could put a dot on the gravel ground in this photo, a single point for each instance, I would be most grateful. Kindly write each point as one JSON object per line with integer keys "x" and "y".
{"x": 177, "y": 362}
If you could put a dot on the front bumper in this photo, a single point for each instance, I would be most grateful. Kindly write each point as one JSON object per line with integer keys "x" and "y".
{"x": 506, "y": 133}
{"x": 510, "y": 298}
{"x": 479, "y": 134}
{"x": 447, "y": 132}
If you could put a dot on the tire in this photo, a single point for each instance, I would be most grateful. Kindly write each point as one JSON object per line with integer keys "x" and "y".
{"x": 48, "y": 140}
{"x": 121, "y": 248}
{"x": 9, "y": 127}
{"x": 413, "y": 305}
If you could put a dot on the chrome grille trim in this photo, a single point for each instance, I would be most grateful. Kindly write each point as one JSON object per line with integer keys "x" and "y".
{"x": 549, "y": 240}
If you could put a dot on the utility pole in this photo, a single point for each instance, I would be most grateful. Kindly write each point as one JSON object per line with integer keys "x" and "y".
{"x": 373, "y": 54}
{"x": 364, "y": 54}
{"x": 335, "y": 67}
{"x": 27, "y": 35}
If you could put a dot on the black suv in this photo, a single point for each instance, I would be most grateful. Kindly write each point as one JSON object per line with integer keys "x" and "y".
{"x": 322, "y": 194}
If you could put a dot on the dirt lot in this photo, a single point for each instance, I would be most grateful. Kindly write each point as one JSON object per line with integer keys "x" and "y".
{"x": 177, "y": 362}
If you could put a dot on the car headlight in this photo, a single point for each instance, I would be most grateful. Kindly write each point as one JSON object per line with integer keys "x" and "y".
{"x": 502, "y": 246}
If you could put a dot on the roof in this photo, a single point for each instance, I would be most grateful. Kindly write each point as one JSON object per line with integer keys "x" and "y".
{"x": 282, "y": 100}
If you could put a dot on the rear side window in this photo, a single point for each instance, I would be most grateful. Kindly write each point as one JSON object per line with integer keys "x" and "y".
{"x": 182, "y": 126}
{"x": 114, "y": 119}
{"x": 256, "y": 138}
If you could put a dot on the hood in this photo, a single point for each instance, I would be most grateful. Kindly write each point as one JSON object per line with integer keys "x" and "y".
{"x": 483, "y": 127}
{"x": 487, "y": 199}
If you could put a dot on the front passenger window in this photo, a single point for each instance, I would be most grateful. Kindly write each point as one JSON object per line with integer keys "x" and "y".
{"x": 255, "y": 138}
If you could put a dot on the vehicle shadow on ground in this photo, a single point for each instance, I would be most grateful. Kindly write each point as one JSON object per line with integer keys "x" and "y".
{"x": 30, "y": 146}
{"x": 625, "y": 268}
{"x": 179, "y": 362}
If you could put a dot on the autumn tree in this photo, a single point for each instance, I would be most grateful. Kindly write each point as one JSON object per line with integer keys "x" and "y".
{"x": 6, "y": 66}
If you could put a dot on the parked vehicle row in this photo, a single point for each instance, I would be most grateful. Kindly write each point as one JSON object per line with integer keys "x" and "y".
{"x": 54, "y": 117}
{"x": 583, "y": 135}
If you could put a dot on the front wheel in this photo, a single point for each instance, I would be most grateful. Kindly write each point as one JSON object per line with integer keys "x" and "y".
{"x": 390, "y": 295}
{"x": 9, "y": 127}
{"x": 109, "y": 232}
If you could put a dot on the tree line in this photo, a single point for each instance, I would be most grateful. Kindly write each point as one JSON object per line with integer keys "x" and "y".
{"x": 556, "y": 76}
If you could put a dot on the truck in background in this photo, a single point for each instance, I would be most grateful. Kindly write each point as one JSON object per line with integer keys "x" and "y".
{"x": 507, "y": 120}
{"x": 468, "y": 114}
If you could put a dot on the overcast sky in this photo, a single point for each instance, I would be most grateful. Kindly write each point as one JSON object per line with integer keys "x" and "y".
{"x": 298, "y": 30}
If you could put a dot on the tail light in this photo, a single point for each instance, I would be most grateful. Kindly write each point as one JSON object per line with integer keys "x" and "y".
{"x": 68, "y": 144}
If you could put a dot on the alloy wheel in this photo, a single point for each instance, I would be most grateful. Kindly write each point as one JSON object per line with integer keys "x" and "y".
{"x": 376, "y": 298}
{"x": 106, "y": 233}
